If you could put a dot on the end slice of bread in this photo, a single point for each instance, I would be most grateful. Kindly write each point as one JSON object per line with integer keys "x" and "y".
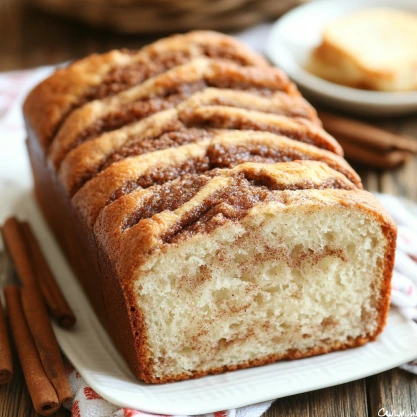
{"x": 372, "y": 49}
{"x": 238, "y": 270}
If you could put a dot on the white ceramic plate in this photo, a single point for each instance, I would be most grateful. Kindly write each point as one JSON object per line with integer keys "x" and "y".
{"x": 93, "y": 354}
{"x": 298, "y": 32}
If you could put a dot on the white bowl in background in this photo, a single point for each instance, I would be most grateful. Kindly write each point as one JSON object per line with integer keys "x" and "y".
{"x": 294, "y": 36}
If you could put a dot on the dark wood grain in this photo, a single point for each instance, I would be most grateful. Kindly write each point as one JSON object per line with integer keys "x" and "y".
{"x": 31, "y": 38}
{"x": 347, "y": 400}
{"x": 393, "y": 391}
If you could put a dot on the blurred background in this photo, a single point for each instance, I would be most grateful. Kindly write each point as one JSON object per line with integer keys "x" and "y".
{"x": 43, "y": 32}
{"x": 37, "y": 33}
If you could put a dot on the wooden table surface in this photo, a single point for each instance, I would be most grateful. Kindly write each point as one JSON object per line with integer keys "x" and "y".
{"x": 30, "y": 38}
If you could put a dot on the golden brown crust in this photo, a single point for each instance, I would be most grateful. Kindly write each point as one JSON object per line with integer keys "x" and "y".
{"x": 223, "y": 117}
{"x": 81, "y": 163}
{"x": 86, "y": 160}
{"x": 277, "y": 103}
{"x": 103, "y": 288}
{"x": 47, "y": 103}
{"x": 147, "y": 375}
{"x": 159, "y": 93}
{"x": 97, "y": 193}
{"x": 205, "y": 43}
{"x": 68, "y": 88}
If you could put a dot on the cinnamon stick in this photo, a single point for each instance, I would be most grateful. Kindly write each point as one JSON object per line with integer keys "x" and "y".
{"x": 32, "y": 268}
{"x": 55, "y": 300}
{"x": 45, "y": 341}
{"x": 42, "y": 393}
{"x": 388, "y": 160}
{"x": 17, "y": 249}
{"x": 370, "y": 136}
{"x": 6, "y": 363}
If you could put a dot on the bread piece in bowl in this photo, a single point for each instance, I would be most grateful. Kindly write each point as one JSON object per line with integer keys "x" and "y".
{"x": 372, "y": 49}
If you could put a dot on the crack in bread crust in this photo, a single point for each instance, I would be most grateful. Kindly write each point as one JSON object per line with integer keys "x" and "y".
{"x": 190, "y": 191}
{"x": 86, "y": 160}
{"x": 226, "y": 149}
{"x": 159, "y": 92}
{"x": 188, "y": 130}
{"x": 160, "y": 176}
{"x": 160, "y": 56}
{"x": 99, "y": 76}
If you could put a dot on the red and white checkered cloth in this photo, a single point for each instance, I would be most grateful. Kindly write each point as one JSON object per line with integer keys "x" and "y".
{"x": 87, "y": 403}
{"x": 15, "y": 176}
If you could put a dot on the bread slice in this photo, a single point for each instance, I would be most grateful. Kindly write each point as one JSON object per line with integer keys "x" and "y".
{"x": 251, "y": 265}
{"x": 371, "y": 49}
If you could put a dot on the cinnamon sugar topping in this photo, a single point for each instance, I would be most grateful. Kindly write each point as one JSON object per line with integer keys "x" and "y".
{"x": 219, "y": 156}
{"x": 140, "y": 109}
{"x": 168, "y": 196}
{"x": 228, "y": 204}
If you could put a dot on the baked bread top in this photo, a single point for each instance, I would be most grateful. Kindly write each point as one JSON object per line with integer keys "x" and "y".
{"x": 160, "y": 93}
{"x": 187, "y": 105}
{"x": 100, "y": 76}
{"x": 221, "y": 149}
{"x": 168, "y": 129}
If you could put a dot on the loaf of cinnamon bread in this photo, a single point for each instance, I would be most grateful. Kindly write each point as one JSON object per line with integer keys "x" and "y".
{"x": 211, "y": 220}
